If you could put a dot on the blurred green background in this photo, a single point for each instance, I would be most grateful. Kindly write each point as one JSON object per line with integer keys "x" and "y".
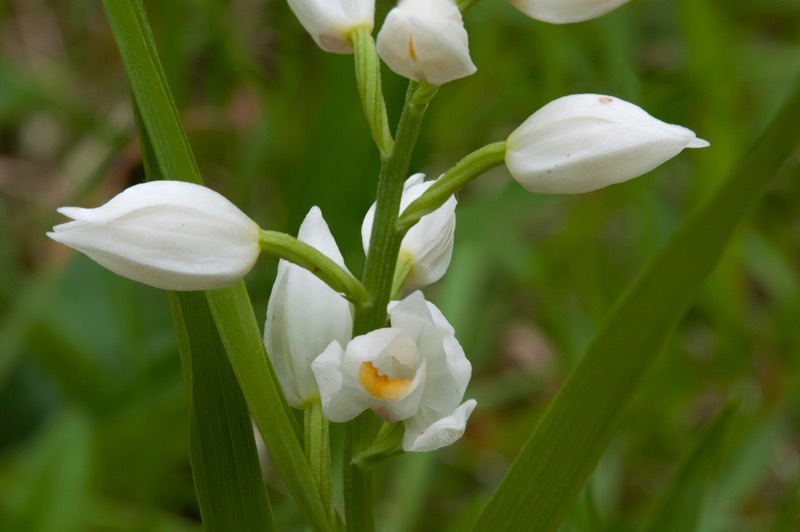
{"x": 93, "y": 420}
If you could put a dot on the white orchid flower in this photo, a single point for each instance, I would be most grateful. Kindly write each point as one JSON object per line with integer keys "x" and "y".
{"x": 566, "y": 11}
{"x": 425, "y": 40}
{"x": 168, "y": 234}
{"x": 330, "y": 22}
{"x": 414, "y": 371}
{"x": 583, "y": 142}
{"x": 428, "y": 246}
{"x": 304, "y": 315}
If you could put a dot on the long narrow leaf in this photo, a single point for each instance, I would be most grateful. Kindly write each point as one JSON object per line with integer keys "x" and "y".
{"x": 225, "y": 465}
{"x": 682, "y": 503}
{"x": 239, "y": 333}
{"x": 566, "y": 444}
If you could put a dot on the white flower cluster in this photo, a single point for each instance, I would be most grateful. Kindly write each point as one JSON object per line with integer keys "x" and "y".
{"x": 180, "y": 236}
{"x": 414, "y": 371}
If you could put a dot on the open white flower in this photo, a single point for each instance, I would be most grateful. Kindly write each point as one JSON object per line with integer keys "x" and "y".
{"x": 168, "y": 234}
{"x": 304, "y": 315}
{"x": 426, "y": 40}
{"x": 428, "y": 246}
{"x": 583, "y": 142}
{"x": 330, "y": 22}
{"x": 414, "y": 371}
{"x": 566, "y": 11}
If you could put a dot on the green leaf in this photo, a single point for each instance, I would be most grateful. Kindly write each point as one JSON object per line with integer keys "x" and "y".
{"x": 547, "y": 475}
{"x": 240, "y": 334}
{"x": 225, "y": 466}
{"x": 682, "y": 503}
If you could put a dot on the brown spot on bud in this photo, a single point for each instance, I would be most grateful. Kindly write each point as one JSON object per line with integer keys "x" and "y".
{"x": 606, "y": 99}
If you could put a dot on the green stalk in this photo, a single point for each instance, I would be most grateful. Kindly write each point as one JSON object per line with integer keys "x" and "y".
{"x": 297, "y": 252}
{"x": 465, "y": 170}
{"x": 378, "y": 276}
{"x": 318, "y": 453}
{"x": 368, "y": 79}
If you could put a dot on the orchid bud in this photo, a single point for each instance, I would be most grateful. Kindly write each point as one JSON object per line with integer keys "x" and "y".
{"x": 304, "y": 315}
{"x": 583, "y": 142}
{"x": 428, "y": 246}
{"x": 330, "y": 22}
{"x": 566, "y": 11}
{"x": 425, "y": 40}
{"x": 414, "y": 371}
{"x": 168, "y": 234}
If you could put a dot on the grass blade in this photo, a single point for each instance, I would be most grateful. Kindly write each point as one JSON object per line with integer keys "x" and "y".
{"x": 682, "y": 503}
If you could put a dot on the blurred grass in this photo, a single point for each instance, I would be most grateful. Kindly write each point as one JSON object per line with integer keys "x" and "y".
{"x": 92, "y": 401}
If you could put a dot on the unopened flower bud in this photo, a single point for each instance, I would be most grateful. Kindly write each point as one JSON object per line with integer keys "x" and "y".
{"x": 168, "y": 234}
{"x": 583, "y": 142}
{"x": 566, "y": 11}
{"x": 304, "y": 315}
{"x": 425, "y": 40}
{"x": 428, "y": 246}
{"x": 330, "y": 22}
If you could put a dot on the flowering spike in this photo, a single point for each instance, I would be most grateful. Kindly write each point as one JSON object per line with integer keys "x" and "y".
{"x": 330, "y": 22}
{"x": 566, "y": 11}
{"x": 168, "y": 234}
{"x": 583, "y": 142}
{"x": 425, "y": 40}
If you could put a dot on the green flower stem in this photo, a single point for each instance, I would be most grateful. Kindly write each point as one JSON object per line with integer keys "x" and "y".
{"x": 467, "y": 169}
{"x": 387, "y": 443}
{"x": 368, "y": 78}
{"x": 308, "y": 257}
{"x": 378, "y": 276}
{"x": 384, "y": 242}
{"x": 318, "y": 453}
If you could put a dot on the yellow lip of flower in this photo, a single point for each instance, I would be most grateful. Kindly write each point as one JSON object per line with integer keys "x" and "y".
{"x": 380, "y": 385}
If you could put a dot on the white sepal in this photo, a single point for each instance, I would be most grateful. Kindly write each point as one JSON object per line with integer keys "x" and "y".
{"x": 566, "y": 11}
{"x": 425, "y": 40}
{"x": 330, "y": 22}
{"x": 168, "y": 234}
{"x": 583, "y": 142}
{"x": 414, "y": 371}
{"x": 304, "y": 315}
{"x": 429, "y": 244}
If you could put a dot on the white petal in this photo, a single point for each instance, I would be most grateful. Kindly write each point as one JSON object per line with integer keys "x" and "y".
{"x": 426, "y": 40}
{"x": 339, "y": 393}
{"x": 376, "y": 348}
{"x": 168, "y": 234}
{"x": 566, "y": 11}
{"x": 429, "y": 244}
{"x": 423, "y": 434}
{"x": 449, "y": 369}
{"x": 583, "y": 142}
{"x": 304, "y": 315}
{"x": 330, "y": 22}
